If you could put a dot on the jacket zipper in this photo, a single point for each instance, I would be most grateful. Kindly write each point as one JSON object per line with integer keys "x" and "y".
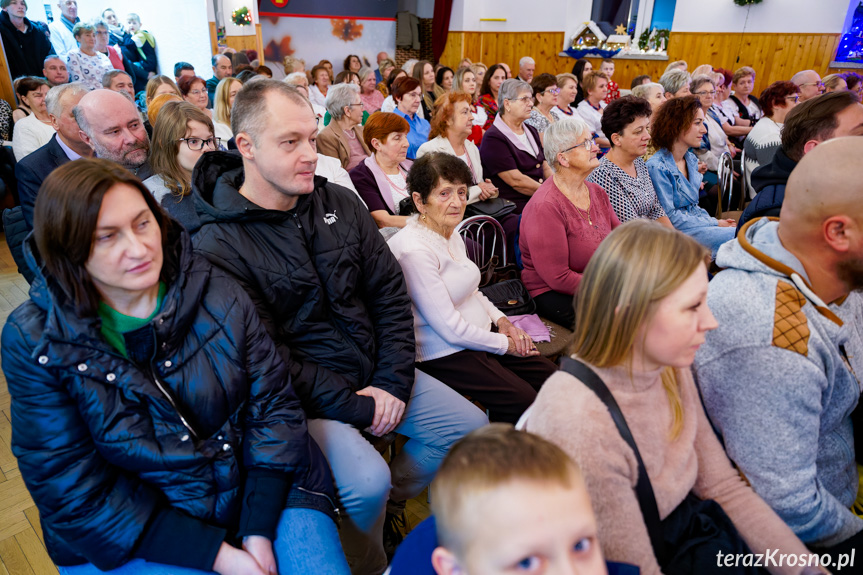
{"x": 325, "y": 496}
{"x": 170, "y": 399}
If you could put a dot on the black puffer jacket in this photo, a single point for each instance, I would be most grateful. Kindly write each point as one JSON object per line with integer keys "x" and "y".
{"x": 325, "y": 284}
{"x": 158, "y": 461}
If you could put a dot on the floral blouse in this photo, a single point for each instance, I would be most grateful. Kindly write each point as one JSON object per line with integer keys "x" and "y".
{"x": 88, "y": 69}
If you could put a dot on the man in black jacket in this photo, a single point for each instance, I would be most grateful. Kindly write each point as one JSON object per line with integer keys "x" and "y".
{"x": 808, "y": 124}
{"x": 333, "y": 298}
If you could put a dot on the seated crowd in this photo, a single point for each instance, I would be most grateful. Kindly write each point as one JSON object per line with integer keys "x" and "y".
{"x": 255, "y": 329}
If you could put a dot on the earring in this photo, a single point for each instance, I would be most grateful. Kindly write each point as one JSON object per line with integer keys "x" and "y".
{"x": 424, "y": 217}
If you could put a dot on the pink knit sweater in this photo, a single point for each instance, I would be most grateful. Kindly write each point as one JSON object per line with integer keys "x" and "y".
{"x": 569, "y": 414}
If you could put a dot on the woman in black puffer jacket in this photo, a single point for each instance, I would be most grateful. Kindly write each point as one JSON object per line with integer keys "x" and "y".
{"x": 153, "y": 420}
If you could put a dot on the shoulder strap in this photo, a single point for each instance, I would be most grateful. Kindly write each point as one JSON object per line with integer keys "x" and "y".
{"x": 643, "y": 489}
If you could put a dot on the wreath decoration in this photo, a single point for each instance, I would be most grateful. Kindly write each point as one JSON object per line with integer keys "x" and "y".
{"x": 242, "y": 16}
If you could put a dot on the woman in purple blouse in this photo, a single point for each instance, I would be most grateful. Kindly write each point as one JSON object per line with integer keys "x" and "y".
{"x": 511, "y": 151}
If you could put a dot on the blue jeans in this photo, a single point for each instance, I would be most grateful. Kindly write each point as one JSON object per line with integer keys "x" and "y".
{"x": 435, "y": 417}
{"x": 307, "y": 541}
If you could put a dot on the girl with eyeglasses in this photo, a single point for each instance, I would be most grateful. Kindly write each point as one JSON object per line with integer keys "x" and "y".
{"x": 545, "y": 93}
{"x": 182, "y": 134}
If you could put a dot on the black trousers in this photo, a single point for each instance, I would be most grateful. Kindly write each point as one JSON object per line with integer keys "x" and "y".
{"x": 504, "y": 384}
{"x": 557, "y": 307}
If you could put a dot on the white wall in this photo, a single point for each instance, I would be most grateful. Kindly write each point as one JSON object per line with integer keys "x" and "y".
{"x": 789, "y": 16}
{"x": 521, "y": 15}
{"x": 180, "y": 27}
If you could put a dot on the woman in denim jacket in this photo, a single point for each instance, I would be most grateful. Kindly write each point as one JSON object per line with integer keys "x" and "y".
{"x": 677, "y": 127}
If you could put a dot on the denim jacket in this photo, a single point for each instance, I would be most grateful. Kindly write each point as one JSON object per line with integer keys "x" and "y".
{"x": 679, "y": 196}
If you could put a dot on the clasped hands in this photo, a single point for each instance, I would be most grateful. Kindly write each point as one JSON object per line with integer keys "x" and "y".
{"x": 520, "y": 344}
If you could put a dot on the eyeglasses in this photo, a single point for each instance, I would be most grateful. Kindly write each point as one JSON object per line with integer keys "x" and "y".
{"x": 554, "y": 91}
{"x": 795, "y": 98}
{"x": 196, "y": 92}
{"x": 524, "y": 99}
{"x": 819, "y": 84}
{"x": 712, "y": 93}
{"x": 351, "y": 105}
{"x": 198, "y": 144}
{"x": 587, "y": 145}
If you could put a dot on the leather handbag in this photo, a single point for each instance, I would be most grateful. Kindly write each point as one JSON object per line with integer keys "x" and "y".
{"x": 510, "y": 297}
{"x": 492, "y": 207}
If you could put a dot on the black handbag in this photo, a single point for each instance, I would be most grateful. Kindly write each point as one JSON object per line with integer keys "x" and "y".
{"x": 688, "y": 540}
{"x": 492, "y": 207}
{"x": 510, "y": 297}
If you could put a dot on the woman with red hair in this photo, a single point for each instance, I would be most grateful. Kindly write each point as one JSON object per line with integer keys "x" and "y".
{"x": 381, "y": 179}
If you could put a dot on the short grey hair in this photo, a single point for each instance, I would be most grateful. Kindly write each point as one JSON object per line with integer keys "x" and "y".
{"x": 644, "y": 90}
{"x": 108, "y": 77}
{"x": 291, "y": 78}
{"x": 364, "y": 73}
{"x": 54, "y": 99}
{"x": 510, "y": 90}
{"x": 560, "y": 136}
{"x": 674, "y": 80}
{"x": 801, "y": 76}
{"x": 82, "y": 27}
{"x": 525, "y": 60}
{"x": 700, "y": 80}
{"x": 339, "y": 97}
{"x": 409, "y": 66}
{"x": 100, "y": 23}
{"x": 249, "y": 111}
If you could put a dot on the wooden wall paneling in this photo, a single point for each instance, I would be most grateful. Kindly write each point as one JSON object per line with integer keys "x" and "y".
{"x": 214, "y": 47}
{"x": 472, "y": 44}
{"x": 241, "y": 42}
{"x": 453, "y": 51}
{"x": 774, "y": 56}
{"x": 6, "y": 90}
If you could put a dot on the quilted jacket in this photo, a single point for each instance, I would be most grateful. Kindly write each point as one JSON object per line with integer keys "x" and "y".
{"x": 160, "y": 460}
{"x": 324, "y": 282}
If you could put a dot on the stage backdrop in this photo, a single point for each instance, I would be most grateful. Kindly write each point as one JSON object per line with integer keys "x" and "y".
{"x": 315, "y": 31}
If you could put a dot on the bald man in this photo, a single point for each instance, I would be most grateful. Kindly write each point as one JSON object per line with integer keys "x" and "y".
{"x": 777, "y": 376}
{"x": 109, "y": 123}
{"x": 809, "y": 83}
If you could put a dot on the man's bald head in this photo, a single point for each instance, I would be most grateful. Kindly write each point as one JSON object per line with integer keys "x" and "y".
{"x": 822, "y": 217}
{"x": 809, "y": 83}
{"x": 814, "y": 193}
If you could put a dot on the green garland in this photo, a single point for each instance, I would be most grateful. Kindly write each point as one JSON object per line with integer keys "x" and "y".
{"x": 241, "y": 17}
{"x": 747, "y": 2}
{"x": 661, "y": 34}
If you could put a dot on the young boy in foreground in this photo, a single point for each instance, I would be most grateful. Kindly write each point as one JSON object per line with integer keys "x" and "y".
{"x": 507, "y": 501}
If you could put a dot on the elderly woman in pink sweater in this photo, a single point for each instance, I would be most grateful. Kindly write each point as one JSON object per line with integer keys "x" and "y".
{"x": 642, "y": 314}
{"x": 462, "y": 339}
{"x": 564, "y": 221}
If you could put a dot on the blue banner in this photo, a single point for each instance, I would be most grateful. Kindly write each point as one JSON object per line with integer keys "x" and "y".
{"x": 367, "y": 9}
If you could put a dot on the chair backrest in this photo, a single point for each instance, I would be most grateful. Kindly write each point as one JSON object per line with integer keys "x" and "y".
{"x": 726, "y": 179}
{"x": 484, "y": 238}
{"x": 745, "y": 182}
